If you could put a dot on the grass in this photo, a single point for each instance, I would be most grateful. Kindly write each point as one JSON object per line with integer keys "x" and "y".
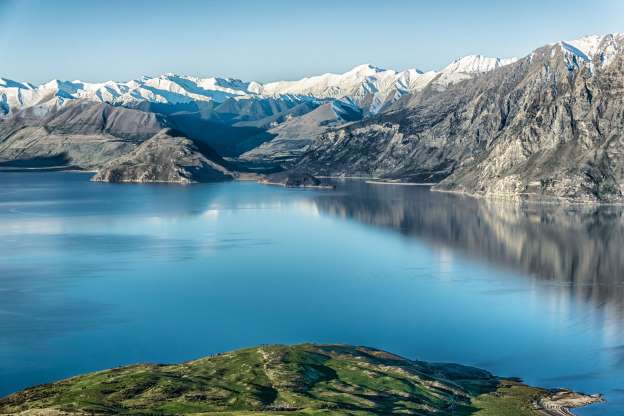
{"x": 510, "y": 399}
{"x": 278, "y": 380}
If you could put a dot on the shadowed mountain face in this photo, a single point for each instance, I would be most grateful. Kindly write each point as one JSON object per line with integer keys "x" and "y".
{"x": 578, "y": 247}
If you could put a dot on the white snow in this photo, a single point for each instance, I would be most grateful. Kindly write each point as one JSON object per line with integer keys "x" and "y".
{"x": 367, "y": 87}
{"x": 585, "y": 49}
{"x": 467, "y": 67}
{"x": 473, "y": 64}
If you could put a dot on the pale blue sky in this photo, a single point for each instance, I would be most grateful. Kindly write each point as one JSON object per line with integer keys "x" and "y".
{"x": 269, "y": 40}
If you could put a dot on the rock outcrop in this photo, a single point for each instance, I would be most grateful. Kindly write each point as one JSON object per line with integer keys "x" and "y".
{"x": 294, "y": 179}
{"x": 166, "y": 157}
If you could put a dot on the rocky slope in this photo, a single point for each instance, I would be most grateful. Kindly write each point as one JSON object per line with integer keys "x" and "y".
{"x": 303, "y": 379}
{"x": 294, "y": 135}
{"x": 168, "y": 157}
{"x": 81, "y": 134}
{"x": 123, "y": 145}
{"x": 549, "y": 124}
{"x": 561, "y": 131}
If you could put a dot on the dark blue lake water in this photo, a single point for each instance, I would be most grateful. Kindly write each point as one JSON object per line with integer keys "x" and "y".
{"x": 98, "y": 275}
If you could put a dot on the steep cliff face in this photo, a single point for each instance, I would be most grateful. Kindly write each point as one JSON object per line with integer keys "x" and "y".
{"x": 561, "y": 131}
{"x": 166, "y": 157}
{"x": 550, "y": 124}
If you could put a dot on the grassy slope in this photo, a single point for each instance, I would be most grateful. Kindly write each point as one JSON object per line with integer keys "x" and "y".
{"x": 299, "y": 380}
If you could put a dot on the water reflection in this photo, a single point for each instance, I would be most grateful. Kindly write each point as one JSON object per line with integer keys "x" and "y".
{"x": 578, "y": 247}
{"x": 95, "y": 276}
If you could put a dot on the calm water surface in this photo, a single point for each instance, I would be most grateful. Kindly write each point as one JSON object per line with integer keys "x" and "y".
{"x": 98, "y": 275}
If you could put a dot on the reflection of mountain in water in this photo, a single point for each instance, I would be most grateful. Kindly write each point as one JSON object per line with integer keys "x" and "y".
{"x": 580, "y": 246}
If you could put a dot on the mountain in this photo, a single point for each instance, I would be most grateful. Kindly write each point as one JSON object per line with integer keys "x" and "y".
{"x": 80, "y": 134}
{"x": 549, "y": 124}
{"x": 364, "y": 91}
{"x": 168, "y": 88}
{"x": 298, "y": 380}
{"x": 125, "y": 145}
{"x": 231, "y": 116}
{"x": 468, "y": 66}
{"x": 368, "y": 87}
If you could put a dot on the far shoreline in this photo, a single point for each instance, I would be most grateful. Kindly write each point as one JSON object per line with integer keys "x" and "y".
{"x": 520, "y": 198}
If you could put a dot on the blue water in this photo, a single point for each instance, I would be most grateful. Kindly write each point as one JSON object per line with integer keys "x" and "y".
{"x": 98, "y": 275}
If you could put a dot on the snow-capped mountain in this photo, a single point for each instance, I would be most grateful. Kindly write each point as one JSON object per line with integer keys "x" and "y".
{"x": 468, "y": 66}
{"x": 596, "y": 49}
{"x": 168, "y": 88}
{"x": 561, "y": 105}
{"x": 550, "y": 124}
{"x": 472, "y": 64}
{"x": 365, "y": 86}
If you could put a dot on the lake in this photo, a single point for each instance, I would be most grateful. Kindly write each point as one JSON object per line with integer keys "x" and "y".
{"x": 97, "y": 275}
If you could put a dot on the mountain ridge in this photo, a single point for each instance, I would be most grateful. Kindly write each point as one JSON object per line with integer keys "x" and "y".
{"x": 172, "y": 88}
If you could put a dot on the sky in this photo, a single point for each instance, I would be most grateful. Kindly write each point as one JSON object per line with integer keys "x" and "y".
{"x": 275, "y": 39}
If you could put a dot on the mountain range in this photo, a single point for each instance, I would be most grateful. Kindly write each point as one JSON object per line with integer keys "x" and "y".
{"x": 548, "y": 124}
{"x": 365, "y": 86}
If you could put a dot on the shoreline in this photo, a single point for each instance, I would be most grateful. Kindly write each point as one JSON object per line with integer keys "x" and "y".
{"x": 373, "y": 182}
{"x": 526, "y": 198}
{"x": 520, "y": 198}
{"x": 283, "y": 185}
